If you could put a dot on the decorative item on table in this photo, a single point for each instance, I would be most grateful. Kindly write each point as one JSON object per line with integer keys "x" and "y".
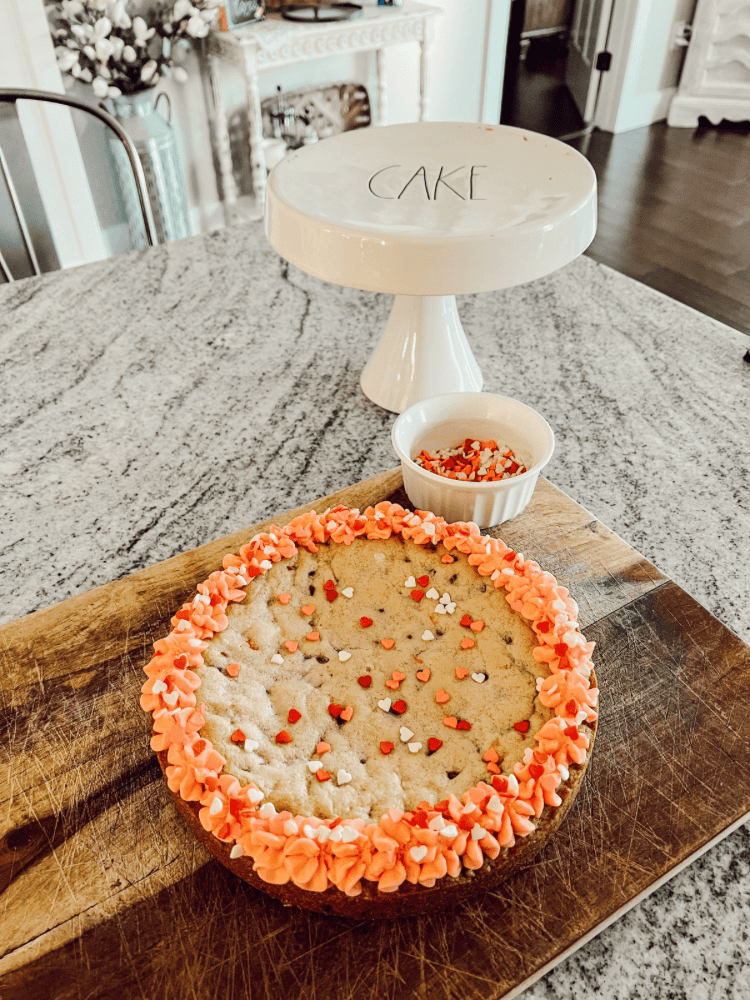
{"x": 122, "y": 49}
{"x": 240, "y": 14}
{"x": 472, "y": 424}
{"x": 315, "y": 12}
{"x": 321, "y": 111}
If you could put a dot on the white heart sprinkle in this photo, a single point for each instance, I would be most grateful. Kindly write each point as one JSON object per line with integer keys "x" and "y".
{"x": 348, "y": 834}
{"x": 255, "y": 795}
{"x": 309, "y": 831}
{"x": 251, "y": 745}
{"x": 277, "y": 658}
{"x": 324, "y": 832}
{"x": 242, "y": 581}
{"x": 432, "y": 594}
{"x": 449, "y": 831}
{"x": 495, "y": 805}
{"x": 415, "y": 747}
{"x": 265, "y": 564}
{"x": 564, "y": 772}
{"x": 344, "y": 655}
{"x": 385, "y": 704}
{"x": 411, "y": 582}
{"x": 348, "y": 592}
{"x": 406, "y": 734}
{"x": 468, "y": 808}
{"x": 445, "y": 599}
{"x": 479, "y": 678}
{"x": 183, "y": 625}
{"x": 267, "y": 809}
{"x": 158, "y": 686}
{"x": 440, "y": 609}
{"x": 195, "y": 643}
{"x": 450, "y": 608}
{"x": 314, "y": 765}
{"x": 427, "y": 635}
{"x": 216, "y": 806}
{"x": 236, "y": 852}
{"x": 336, "y": 834}
{"x": 437, "y": 823}
{"x": 171, "y": 699}
{"x": 512, "y": 784}
{"x": 418, "y": 853}
{"x": 290, "y": 828}
{"x": 477, "y": 832}
{"x": 343, "y": 777}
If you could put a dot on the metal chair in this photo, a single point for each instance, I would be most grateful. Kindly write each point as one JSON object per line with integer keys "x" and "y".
{"x": 11, "y": 96}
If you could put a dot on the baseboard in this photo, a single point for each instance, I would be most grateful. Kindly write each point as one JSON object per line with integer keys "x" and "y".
{"x": 685, "y": 111}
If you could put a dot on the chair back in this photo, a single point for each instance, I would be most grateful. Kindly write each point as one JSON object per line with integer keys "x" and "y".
{"x": 26, "y": 243}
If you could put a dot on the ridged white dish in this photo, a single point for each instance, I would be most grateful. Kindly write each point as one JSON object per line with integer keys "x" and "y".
{"x": 444, "y": 422}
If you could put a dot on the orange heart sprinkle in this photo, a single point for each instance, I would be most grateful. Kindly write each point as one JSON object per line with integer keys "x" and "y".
{"x": 387, "y": 643}
{"x": 491, "y": 755}
{"x": 393, "y": 685}
{"x": 347, "y": 713}
{"x": 476, "y": 626}
{"x": 462, "y": 672}
{"x": 398, "y": 676}
{"x": 283, "y": 737}
{"x": 312, "y": 636}
{"x": 322, "y": 775}
{"x": 442, "y": 696}
{"x": 467, "y": 643}
{"x": 423, "y": 675}
{"x": 307, "y": 609}
{"x": 447, "y": 559}
{"x": 450, "y": 721}
{"x": 233, "y": 669}
{"x": 322, "y": 748}
{"x": 291, "y": 645}
{"x": 493, "y": 769}
{"x": 284, "y": 598}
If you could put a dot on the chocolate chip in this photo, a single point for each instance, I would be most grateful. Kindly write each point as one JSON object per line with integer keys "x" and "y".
{"x": 312, "y": 572}
{"x": 381, "y": 610}
{"x": 408, "y": 637}
{"x": 509, "y": 639}
{"x": 453, "y": 578}
{"x": 452, "y": 774}
{"x": 311, "y": 588}
{"x": 322, "y": 659}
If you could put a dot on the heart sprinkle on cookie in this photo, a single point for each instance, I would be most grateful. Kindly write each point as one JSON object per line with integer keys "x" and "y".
{"x": 399, "y": 707}
{"x": 283, "y": 737}
{"x": 238, "y": 736}
{"x": 433, "y": 744}
{"x": 294, "y": 715}
{"x": 365, "y": 681}
{"x": 385, "y": 748}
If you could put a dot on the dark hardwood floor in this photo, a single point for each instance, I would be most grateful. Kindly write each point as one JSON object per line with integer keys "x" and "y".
{"x": 674, "y": 204}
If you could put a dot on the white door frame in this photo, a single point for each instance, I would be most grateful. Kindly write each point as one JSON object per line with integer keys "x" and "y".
{"x": 27, "y": 59}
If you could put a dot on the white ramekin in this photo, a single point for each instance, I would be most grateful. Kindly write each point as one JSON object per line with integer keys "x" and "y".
{"x": 445, "y": 421}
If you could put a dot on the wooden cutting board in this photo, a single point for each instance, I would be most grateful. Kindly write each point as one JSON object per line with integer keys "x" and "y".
{"x": 104, "y": 892}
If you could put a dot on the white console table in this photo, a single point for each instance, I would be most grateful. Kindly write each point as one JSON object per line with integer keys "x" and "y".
{"x": 715, "y": 80}
{"x": 274, "y": 43}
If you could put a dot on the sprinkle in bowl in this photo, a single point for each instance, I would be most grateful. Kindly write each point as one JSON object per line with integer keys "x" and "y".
{"x": 442, "y": 422}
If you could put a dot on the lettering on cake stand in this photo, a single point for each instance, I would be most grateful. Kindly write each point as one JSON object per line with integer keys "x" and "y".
{"x": 460, "y": 181}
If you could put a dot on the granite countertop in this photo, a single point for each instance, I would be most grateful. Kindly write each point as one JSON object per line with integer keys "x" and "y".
{"x": 157, "y": 401}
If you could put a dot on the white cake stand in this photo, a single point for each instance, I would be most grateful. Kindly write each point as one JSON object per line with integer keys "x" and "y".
{"x": 429, "y": 211}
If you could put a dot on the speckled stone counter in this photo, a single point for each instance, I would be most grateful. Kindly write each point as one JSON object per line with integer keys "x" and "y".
{"x": 154, "y": 402}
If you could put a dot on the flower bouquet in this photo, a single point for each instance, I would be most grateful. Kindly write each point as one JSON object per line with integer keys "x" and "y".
{"x": 125, "y": 46}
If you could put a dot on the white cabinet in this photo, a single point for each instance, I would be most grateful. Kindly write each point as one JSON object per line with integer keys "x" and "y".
{"x": 715, "y": 80}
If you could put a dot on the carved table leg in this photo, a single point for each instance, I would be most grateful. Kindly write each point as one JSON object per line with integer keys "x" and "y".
{"x": 219, "y": 127}
{"x": 255, "y": 127}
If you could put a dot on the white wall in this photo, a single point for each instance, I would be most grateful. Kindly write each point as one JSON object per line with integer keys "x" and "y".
{"x": 646, "y": 63}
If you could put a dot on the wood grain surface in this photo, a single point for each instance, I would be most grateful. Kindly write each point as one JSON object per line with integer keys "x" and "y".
{"x": 105, "y": 893}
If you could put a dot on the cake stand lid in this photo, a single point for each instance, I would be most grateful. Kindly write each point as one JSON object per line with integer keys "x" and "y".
{"x": 432, "y": 208}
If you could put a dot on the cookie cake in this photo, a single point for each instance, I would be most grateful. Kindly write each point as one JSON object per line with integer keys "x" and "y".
{"x": 374, "y": 713}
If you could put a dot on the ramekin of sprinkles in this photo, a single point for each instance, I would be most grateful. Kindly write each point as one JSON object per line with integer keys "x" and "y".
{"x": 418, "y": 846}
{"x": 478, "y": 420}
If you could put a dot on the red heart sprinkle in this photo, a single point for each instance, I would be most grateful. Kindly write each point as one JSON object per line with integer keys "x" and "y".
{"x": 466, "y": 621}
{"x": 199, "y": 746}
{"x": 417, "y": 595}
{"x": 386, "y": 748}
{"x": 500, "y": 784}
{"x": 283, "y": 737}
{"x": 423, "y": 580}
{"x": 542, "y": 627}
{"x": 561, "y": 649}
{"x": 434, "y": 744}
{"x": 237, "y": 737}
{"x": 329, "y": 585}
{"x": 364, "y": 681}
{"x": 322, "y": 775}
{"x": 294, "y": 715}
{"x": 181, "y": 661}
{"x": 571, "y": 707}
{"x": 399, "y": 706}
{"x": 336, "y": 710}
{"x": 463, "y": 724}
{"x": 536, "y": 770}
{"x": 571, "y": 732}
{"x": 522, "y": 727}
{"x": 331, "y": 595}
{"x": 365, "y": 622}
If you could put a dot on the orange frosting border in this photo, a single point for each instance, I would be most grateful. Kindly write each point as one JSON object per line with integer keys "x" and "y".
{"x": 433, "y": 840}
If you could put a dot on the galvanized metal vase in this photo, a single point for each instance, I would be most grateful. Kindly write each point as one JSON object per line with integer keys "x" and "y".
{"x": 155, "y": 142}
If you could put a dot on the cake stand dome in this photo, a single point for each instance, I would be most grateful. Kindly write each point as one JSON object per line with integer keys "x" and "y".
{"x": 427, "y": 211}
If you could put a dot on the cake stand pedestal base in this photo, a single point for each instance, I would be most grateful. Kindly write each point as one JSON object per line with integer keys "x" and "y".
{"x": 422, "y": 352}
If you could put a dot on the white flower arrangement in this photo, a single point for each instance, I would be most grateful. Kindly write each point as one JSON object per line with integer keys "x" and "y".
{"x": 123, "y": 46}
